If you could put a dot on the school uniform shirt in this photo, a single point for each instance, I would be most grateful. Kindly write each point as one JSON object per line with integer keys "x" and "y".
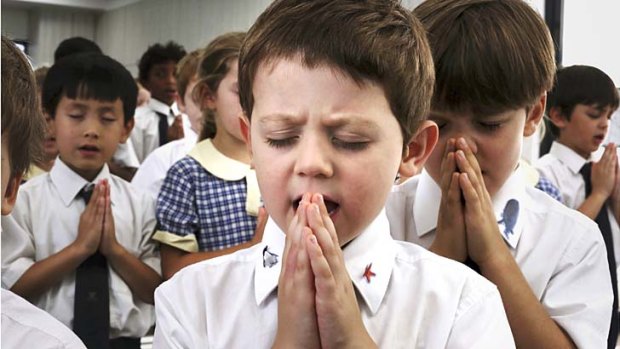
{"x": 416, "y": 299}
{"x": 125, "y": 155}
{"x": 561, "y": 166}
{"x": 47, "y": 212}
{"x": 207, "y": 202}
{"x": 145, "y": 133}
{"x": 560, "y": 251}
{"x": 26, "y": 326}
{"x": 151, "y": 174}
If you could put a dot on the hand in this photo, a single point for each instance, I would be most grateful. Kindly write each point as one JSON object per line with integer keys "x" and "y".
{"x": 484, "y": 241}
{"x": 603, "y": 172}
{"x": 338, "y": 316}
{"x": 175, "y": 131}
{"x": 108, "y": 243}
{"x": 297, "y": 323}
{"x": 91, "y": 222}
{"x": 261, "y": 221}
{"x": 614, "y": 199}
{"x": 450, "y": 239}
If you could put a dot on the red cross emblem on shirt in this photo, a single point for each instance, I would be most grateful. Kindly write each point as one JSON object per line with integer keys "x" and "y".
{"x": 368, "y": 273}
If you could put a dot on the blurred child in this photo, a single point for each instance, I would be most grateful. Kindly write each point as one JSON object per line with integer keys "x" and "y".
{"x": 159, "y": 121}
{"x": 494, "y": 62}
{"x": 335, "y": 93}
{"x": 75, "y": 45}
{"x": 89, "y": 259}
{"x": 209, "y": 200}
{"x": 23, "y": 325}
{"x": 50, "y": 150}
{"x": 152, "y": 172}
{"x": 580, "y": 106}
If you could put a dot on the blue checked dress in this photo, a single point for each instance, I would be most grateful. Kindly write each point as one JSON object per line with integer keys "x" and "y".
{"x": 196, "y": 206}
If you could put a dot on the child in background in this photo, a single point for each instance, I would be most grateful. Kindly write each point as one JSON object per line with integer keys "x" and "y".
{"x": 50, "y": 150}
{"x": 89, "y": 259}
{"x": 494, "y": 62}
{"x": 209, "y": 200}
{"x": 580, "y": 106}
{"x": 159, "y": 121}
{"x": 152, "y": 172}
{"x": 23, "y": 324}
{"x": 335, "y": 93}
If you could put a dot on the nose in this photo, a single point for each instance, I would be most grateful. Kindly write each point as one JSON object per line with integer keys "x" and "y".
{"x": 313, "y": 158}
{"x": 469, "y": 139}
{"x": 91, "y": 128}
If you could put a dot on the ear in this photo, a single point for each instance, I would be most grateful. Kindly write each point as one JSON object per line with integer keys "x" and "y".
{"x": 180, "y": 103}
{"x": 557, "y": 117}
{"x": 535, "y": 115}
{"x": 244, "y": 124}
{"x": 127, "y": 130}
{"x": 208, "y": 98}
{"x": 10, "y": 195}
{"x": 419, "y": 149}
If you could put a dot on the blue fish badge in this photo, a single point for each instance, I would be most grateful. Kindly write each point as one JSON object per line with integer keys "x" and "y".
{"x": 509, "y": 216}
{"x": 269, "y": 259}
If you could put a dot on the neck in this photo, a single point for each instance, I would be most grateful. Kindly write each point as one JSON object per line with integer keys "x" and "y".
{"x": 46, "y": 164}
{"x": 231, "y": 147}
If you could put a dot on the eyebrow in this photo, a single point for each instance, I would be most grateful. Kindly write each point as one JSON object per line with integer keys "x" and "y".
{"x": 332, "y": 122}
{"x": 84, "y": 106}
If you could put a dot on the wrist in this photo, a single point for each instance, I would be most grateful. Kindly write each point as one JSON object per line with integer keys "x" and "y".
{"x": 115, "y": 250}
{"x": 79, "y": 251}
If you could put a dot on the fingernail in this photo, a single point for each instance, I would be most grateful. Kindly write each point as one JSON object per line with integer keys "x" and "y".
{"x": 462, "y": 142}
{"x": 313, "y": 239}
{"x": 460, "y": 154}
{"x": 320, "y": 197}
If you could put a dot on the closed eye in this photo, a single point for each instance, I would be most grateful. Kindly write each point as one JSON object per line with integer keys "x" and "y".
{"x": 349, "y": 145}
{"x": 281, "y": 143}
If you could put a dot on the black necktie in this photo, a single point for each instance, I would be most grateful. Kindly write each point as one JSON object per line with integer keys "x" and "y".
{"x": 91, "y": 310}
{"x": 602, "y": 219}
{"x": 163, "y": 128}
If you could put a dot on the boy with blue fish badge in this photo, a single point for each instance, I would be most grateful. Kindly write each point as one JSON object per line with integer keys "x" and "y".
{"x": 472, "y": 203}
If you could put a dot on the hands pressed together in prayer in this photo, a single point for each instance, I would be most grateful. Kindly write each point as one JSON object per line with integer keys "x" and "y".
{"x": 317, "y": 306}
{"x": 467, "y": 224}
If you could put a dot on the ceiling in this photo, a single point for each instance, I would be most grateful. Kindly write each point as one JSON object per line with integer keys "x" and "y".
{"x": 93, "y": 5}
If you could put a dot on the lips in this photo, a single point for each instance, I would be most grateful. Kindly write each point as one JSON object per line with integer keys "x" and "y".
{"x": 89, "y": 149}
{"x": 331, "y": 205}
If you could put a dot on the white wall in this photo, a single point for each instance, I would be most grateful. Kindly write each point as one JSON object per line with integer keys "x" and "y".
{"x": 591, "y": 35}
{"x": 15, "y": 23}
{"x": 125, "y": 33}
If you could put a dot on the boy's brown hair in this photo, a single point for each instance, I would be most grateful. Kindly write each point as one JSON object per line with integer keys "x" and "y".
{"x": 22, "y": 121}
{"x": 213, "y": 67}
{"x": 490, "y": 55}
{"x": 376, "y": 40}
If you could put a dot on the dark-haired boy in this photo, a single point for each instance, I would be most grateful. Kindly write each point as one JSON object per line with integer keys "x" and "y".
{"x": 494, "y": 62}
{"x": 23, "y": 324}
{"x": 89, "y": 259}
{"x": 335, "y": 93}
{"x": 579, "y": 107}
{"x": 159, "y": 121}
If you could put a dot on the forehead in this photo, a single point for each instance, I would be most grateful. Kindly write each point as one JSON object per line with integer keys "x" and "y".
{"x": 167, "y": 65}
{"x": 290, "y": 86}
{"x": 91, "y": 103}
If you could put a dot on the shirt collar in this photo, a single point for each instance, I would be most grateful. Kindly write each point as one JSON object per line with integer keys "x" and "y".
{"x": 374, "y": 248}
{"x": 68, "y": 183}
{"x": 428, "y": 199}
{"x": 568, "y": 157}
{"x": 228, "y": 169}
{"x": 161, "y": 107}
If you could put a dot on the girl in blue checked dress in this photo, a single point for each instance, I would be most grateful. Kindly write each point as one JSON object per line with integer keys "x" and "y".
{"x": 209, "y": 201}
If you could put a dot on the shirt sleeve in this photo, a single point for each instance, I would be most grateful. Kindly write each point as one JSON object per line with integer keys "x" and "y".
{"x": 579, "y": 296}
{"x": 482, "y": 323}
{"x": 18, "y": 249}
{"x": 149, "y": 251}
{"x": 181, "y": 322}
{"x": 176, "y": 208}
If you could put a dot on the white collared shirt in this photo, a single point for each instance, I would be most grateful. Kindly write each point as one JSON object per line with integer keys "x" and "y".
{"x": 416, "y": 299}
{"x": 560, "y": 251}
{"x": 47, "y": 213}
{"x": 151, "y": 174}
{"x": 561, "y": 166}
{"x": 26, "y": 326}
{"x": 145, "y": 133}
